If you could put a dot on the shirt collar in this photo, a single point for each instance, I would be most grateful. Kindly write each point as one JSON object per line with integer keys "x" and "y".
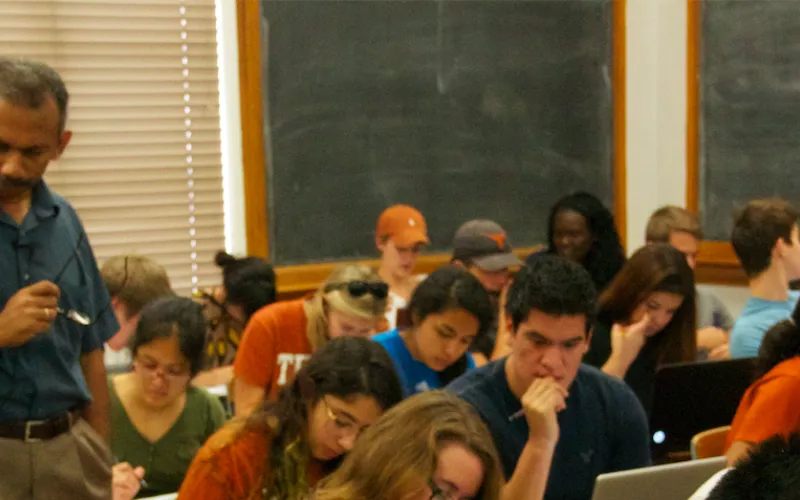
{"x": 43, "y": 203}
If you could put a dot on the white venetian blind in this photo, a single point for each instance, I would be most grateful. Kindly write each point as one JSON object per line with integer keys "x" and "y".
{"x": 144, "y": 168}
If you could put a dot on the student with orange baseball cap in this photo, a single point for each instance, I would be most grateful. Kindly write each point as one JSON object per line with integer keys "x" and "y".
{"x": 400, "y": 235}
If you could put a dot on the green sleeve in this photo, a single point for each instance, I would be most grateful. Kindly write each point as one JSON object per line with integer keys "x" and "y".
{"x": 216, "y": 416}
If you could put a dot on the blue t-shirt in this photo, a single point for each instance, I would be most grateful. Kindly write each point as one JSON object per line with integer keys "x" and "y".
{"x": 414, "y": 375}
{"x": 42, "y": 378}
{"x": 757, "y": 317}
{"x": 603, "y": 429}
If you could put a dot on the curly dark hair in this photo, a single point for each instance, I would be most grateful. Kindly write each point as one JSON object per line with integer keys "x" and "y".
{"x": 606, "y": 256}
{"x": 770, "y": 472}
{"x": 554, "y": 286}
{"x": 249, "y": 282}
{"x": 781, "y": 342}
{"x": 344, "y": 367}
{"x": 452, "y": 287}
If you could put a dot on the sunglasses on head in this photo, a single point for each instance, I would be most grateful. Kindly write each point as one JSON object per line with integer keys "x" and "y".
{"x": 377, "y": 289}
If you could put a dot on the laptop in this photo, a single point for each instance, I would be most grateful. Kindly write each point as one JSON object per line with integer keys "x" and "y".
{"x": 695, "y": 397}
{"x": 662, "y": 482}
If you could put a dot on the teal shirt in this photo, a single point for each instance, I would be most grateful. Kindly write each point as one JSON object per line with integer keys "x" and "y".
{"x": 42, "y": 378}
{"x": 166, "y": 460}
{"x": 757, "y": 317}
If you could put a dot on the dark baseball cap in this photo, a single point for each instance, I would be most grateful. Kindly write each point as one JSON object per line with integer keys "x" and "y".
{"x": 484, "y": 243}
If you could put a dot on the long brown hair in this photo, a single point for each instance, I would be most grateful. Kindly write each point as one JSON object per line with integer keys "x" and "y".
{"x": 397, "y": 455}
{"x": 344, "y": 367}
{"x": 656, "y": 268}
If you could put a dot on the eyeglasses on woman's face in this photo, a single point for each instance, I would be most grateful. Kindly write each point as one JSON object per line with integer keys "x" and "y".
{"x": 439, "y": 493}
{"x": 345, "y": 426}
{"x": 151, "y": 369}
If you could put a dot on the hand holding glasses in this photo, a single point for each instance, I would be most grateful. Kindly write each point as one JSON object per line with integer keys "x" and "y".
{"x": 28, "y": 312}
{"x": 79, "y": 317}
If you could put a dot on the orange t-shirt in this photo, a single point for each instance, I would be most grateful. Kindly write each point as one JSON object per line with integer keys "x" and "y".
{"x": 231, "y": 467}
{"x": 274, "y": 346}
{"x": 770, "y": 406}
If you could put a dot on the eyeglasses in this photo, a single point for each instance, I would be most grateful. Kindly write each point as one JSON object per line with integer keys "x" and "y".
{"x": 74, "y": 315}
{"x": 358, "y": 288}
{"x": 346, "y": 428}
{"x": 153, "y": 370}
{"x": 437, "y": 493}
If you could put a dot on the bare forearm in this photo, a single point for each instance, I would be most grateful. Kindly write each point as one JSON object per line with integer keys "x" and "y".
{"x": 246, "y": 398}
{"x": 529, "y": 480}
{"x": 738, "y": 451}
{"x": 615, "y": 367}
{"x": 97, "y": 412}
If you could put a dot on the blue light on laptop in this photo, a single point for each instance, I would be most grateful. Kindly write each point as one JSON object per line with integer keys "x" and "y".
{"x": 659, "y": 437}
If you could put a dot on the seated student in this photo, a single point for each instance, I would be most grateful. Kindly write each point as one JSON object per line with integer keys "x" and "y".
{"x": 771, "y": 405}
{"x": 482, "y": 247}
{"x": 769, "y": 473}
{"x": 541, "y": 396}
{"x": 582, "y": 229}
{"x": 281, "y": 337}
{"x": 400, "y": 236}
{"x": 431, "y": 446}
{"x": 283, "y": 449}
{"x": 159, "y": 420}
{"x": 248, "y": 284}
{"x": 681, "y": 229}
{"x": 449, "y": 311}
{"x": 645, "y": 318}
{"x": 766, "y": 240}
{"x": 133, "y": 281}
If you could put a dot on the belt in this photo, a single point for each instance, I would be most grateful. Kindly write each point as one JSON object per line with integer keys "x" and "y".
{"x": 32, "y": 431}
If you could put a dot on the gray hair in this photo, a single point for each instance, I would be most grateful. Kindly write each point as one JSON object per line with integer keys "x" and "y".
{"x": 28, "y": 83}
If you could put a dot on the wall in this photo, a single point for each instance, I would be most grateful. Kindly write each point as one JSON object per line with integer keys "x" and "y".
{"x": 656, "y": 120}
{"x": 232, "y": 171}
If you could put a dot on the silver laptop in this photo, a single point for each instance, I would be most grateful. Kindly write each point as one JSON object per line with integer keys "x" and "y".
{"x": 662, "y": 482}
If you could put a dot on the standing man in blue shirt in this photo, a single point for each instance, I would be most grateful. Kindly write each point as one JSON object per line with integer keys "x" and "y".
{"x": 557, "y": 424}
{"x": 54, "y": 308}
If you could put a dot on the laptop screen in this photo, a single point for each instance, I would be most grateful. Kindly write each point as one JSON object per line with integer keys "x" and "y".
{"x": 694, "y": 397}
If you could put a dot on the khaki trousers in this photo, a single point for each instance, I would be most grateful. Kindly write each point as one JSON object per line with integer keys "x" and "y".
{"x": 73, "y": 466}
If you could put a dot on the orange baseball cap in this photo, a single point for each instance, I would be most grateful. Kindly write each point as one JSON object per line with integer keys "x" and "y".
{"x": 403, "y": 225}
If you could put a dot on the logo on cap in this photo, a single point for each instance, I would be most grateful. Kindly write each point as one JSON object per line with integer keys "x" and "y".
{"x": 411, "y": 222}
{"x": 499, "y": 238}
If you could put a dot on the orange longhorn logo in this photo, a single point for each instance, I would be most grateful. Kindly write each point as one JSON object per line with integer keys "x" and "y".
{"x": 499, "y": 238}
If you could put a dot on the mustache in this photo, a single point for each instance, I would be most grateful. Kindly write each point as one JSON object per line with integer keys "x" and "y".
{"x": 17, "y": 182}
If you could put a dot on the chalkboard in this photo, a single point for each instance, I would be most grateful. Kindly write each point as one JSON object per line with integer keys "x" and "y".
{"x": 749, "y": 107}
{"x": 463, "y": 109}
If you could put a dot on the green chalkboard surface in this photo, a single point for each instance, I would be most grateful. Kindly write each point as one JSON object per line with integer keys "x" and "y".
{"x": 464, "y": 109}
{"x": 749, "y": 107}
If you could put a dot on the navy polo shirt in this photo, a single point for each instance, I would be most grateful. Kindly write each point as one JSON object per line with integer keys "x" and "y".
{"x": 603, "y": 429}
{"x": 43, "y": 377}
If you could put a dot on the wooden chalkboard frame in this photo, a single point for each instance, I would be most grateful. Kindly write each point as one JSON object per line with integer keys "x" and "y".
{"x": 716, "y": 262}
{"x": 298, "y": 280}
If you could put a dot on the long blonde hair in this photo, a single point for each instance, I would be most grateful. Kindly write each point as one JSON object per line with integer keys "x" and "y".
{"x": 396, "y": 456}
{"x": 365, "y": 306}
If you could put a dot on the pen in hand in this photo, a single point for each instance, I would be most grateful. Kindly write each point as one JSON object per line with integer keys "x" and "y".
{"x": 142, "y": 482}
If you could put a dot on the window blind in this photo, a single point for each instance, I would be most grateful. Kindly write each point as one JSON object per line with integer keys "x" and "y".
{"x": 143, "y": 169}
